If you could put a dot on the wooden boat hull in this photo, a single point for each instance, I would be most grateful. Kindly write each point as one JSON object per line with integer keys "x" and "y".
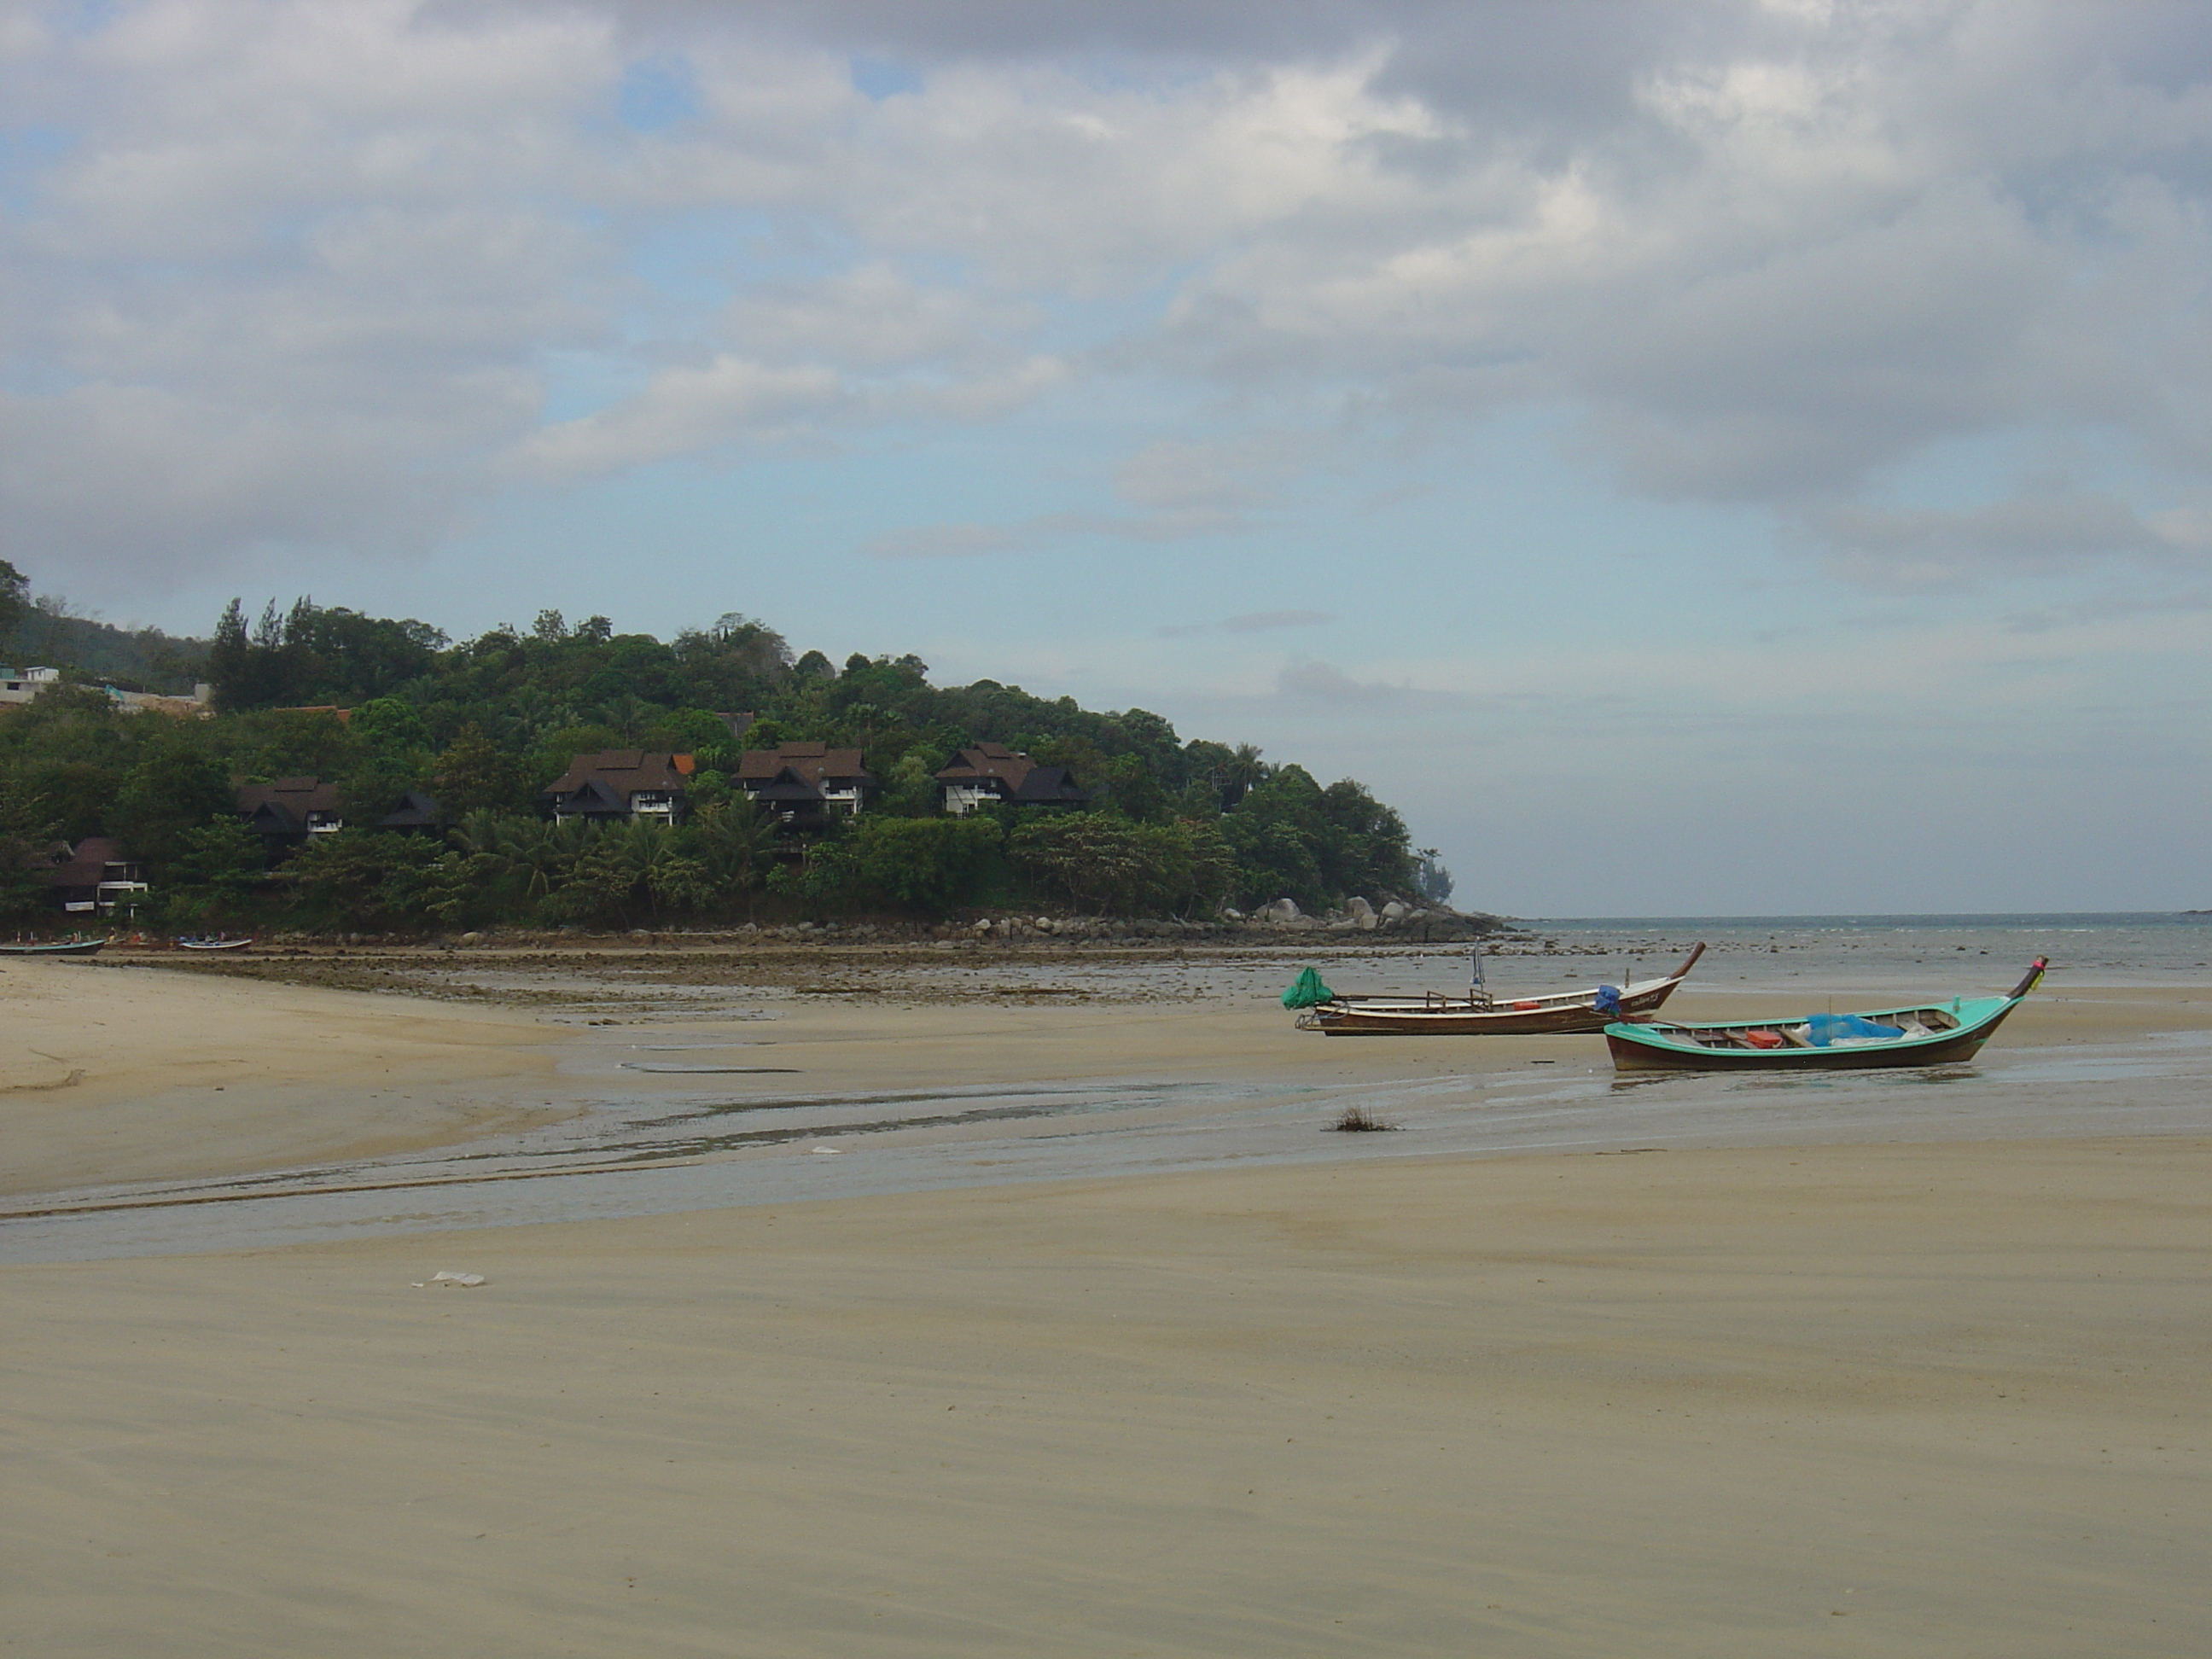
{"x": 1547, "y": 1016}
{"x": 1460, "y": 1018}
{"x": 223, "y": 945}
{"x": 1710, "y": 1047}
{"x": 83, "y": 947}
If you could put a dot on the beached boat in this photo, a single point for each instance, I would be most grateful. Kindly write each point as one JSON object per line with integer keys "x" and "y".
{"x": 1478, "y": 1013}
{"x": 1927, "y": 1034}
{"x": 68, "y": 947}
{"x": 215, "y": 944}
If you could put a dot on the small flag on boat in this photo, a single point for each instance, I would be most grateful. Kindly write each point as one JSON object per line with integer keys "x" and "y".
{"x": 1307, "y": 991}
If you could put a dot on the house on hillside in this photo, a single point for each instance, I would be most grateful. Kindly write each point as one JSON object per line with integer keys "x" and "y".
{"x": 617, "y": 784}
{"x": 22, "y": 684}
{"x": 19, "y": 685}
{"x": 287, "y": 812}
{"x": 991, "y": 772}
{"x": 413, "y": 810}
{"x": 94, "y": 877}
{"x": 803, "y": 783}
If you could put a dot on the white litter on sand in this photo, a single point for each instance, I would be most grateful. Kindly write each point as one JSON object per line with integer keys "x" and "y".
{"x": 825, "y": 1151}
{"x": 443, "y": 1281}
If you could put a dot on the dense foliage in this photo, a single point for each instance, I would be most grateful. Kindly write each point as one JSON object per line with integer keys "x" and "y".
{"x": 484, "y": 725}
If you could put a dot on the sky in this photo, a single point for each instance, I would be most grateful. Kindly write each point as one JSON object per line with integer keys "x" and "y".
{"x": 1752, "y": 457}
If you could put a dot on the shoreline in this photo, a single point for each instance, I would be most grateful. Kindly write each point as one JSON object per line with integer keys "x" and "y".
{"x": 116, "y": 1080}
{"x": 632, "y": 1093}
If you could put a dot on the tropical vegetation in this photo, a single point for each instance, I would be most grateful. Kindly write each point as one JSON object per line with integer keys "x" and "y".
{"x": 483, "y": 725}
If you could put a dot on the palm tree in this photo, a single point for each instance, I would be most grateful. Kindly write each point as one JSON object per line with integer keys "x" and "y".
{"x": 732, "y": 842}
{"x": 540, "y": 851}
{"x": 1244, "y": 773}
{"x": 479, "y": 831}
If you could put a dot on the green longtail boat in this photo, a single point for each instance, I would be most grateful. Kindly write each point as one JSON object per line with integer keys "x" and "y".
{"x": 1931, "y": 1034}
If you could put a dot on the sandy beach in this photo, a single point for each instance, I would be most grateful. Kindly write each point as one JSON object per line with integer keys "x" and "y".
{"x": 1892, "y": 1399}
{"x": 110, "y": 1075}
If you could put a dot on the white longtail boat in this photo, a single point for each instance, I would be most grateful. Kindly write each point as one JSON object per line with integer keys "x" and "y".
{"x": 1480, "y": 1014}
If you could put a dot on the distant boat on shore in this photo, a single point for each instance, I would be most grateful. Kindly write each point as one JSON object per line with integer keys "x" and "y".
{"x": 218, "y": 943}
{"x": 1478, "y": 1013}
{"x": 1916, "y": 1035}
{"x": 68, "y": 947}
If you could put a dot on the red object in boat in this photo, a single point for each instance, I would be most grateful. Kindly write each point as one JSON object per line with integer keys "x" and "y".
{"x": 1527, "y": 1005}
{"x": 1763, "y": 1039}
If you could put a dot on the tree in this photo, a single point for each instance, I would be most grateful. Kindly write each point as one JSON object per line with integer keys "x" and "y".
{"x": 732, "y": 842}
{"x": 1431, "y": 879}
{"x": 14, "y": 599}
{"x": 359, "y": 878}
{"x": 1244, "y": 772}
{"x": 177, "y": 786}
{"x": 390, "y": 725}
{"x": 27, "y": 842}
{"x": 924, "y": 864}
{"x": 230, "y": 660}
{"x": 473, "y": 776}
{"x": 212, "y": 877}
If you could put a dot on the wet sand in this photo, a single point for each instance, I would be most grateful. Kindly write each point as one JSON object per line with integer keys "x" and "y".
{"x": 116, "y": 1075}
{"x": 1889, "y": 1399}
{"x": 1895, "y": 1398}
{"x": 109, "y": 1075}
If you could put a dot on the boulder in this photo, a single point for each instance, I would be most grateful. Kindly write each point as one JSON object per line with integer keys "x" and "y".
{"x": 1395, "y": 911}
{"x": 1282, "y": 910}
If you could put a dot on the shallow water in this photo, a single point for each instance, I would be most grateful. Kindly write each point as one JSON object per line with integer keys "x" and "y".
{"x": 675, "y": 1140}
{"x": 637, "y": 1157}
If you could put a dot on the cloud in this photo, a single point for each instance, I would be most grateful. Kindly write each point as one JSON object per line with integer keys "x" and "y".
{"x": 1251, "y": 622}
{"x": 1035, "y": 534}
{"x": 685, "y": 412}
{"x": 2028, "y": 534}
{"x": 1321, "y": 682}
{"x": 970, "y": 541}
{"x": 330, "y": 274}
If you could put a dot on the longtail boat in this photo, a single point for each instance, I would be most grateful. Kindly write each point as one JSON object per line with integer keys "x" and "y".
{"x": 1929, "y": 1033}
{"x": 68, "y": 947}
{"x": 187, "y": 944}
{"x": 1478, "y": 1013}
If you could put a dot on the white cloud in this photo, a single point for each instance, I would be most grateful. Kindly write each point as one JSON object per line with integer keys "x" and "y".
{"x": 685, "y": 412}
{"x": 293, "y": 273}
{"x": 2031, "y": 533}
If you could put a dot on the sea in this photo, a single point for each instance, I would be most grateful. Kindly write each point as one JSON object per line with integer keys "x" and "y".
{"x": 683, "y": 1112}
{"x": 2117, "y": 948}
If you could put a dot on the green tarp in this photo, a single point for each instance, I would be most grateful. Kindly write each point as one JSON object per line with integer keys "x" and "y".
{"x": 1307, "y": 990}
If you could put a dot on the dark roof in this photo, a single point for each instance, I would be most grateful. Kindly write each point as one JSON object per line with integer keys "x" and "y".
{"x": 622, "y": 773}
{"x": 812, "y": 763}
{"x": 413, "y": 811}
{"x": 786, "y": 785}
{"x": 988, "y": 762}
{"x": 281, "y": 808}
{"x": 1048, "y": 786}
{"x": 87, "y": 865}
